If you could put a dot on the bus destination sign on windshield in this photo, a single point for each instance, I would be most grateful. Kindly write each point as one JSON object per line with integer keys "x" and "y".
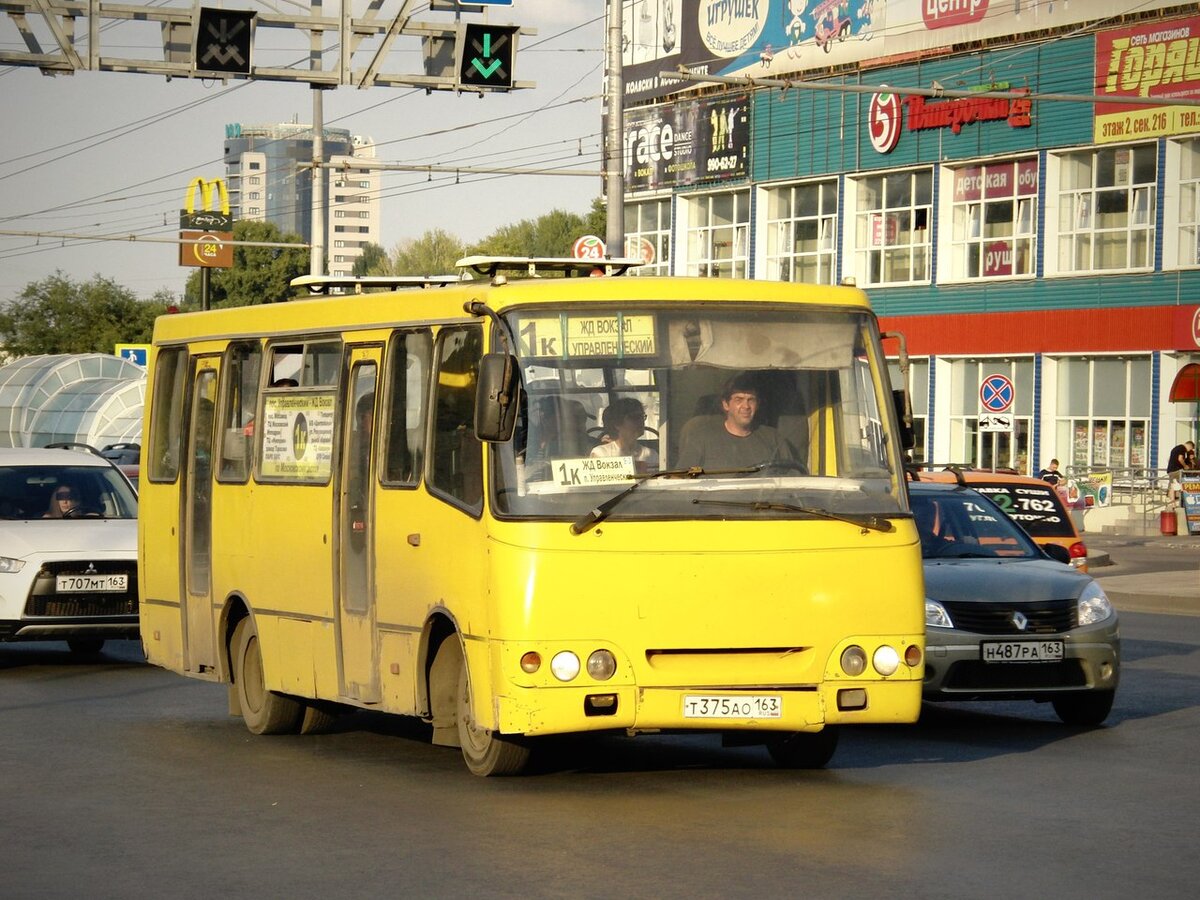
{"x": 612, "y": 336}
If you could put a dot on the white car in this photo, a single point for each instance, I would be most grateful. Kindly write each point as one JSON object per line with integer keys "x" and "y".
{"x": 68, "y": 548}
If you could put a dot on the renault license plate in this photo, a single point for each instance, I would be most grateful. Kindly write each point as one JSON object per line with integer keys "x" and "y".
{"x": 725, "y": 706}
{"x": 91, "y": 584}
{"x": 1022, "y": 651}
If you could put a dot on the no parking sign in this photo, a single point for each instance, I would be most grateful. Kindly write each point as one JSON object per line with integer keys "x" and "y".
{"x": 996, "y": 393}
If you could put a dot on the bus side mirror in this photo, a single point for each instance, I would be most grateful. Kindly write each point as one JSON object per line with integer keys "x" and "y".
{"x": 908, "y": 438}
{"x": 496, "y": 400}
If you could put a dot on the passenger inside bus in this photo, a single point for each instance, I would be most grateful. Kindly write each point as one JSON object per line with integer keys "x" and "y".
{"x": 557, "y": 430}
{"x": 624, "y": 424}
{"x": 736, "y": 438}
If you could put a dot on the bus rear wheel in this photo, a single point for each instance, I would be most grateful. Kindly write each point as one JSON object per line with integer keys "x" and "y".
{"x": 264, "y": 712}
{"x": 804, "y": 749}
{"x": 485, "y": 752}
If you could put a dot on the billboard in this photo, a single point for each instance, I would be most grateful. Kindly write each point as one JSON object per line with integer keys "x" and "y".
{"x": 1154, "y": 64}
{"x": 773, "y": 38}
{"x": 690, "y": 142}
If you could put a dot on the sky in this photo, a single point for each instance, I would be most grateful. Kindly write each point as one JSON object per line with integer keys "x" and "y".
{"x": 112, "y": 153}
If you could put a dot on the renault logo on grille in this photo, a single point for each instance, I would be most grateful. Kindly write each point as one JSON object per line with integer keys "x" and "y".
{"x": 1018, "y": 619}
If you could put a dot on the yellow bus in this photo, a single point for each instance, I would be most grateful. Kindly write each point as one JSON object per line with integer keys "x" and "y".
{"x": 424, "y": 502}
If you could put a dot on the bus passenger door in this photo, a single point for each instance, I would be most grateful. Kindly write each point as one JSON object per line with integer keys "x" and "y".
{"x": 198, "y": 632}
{"x": 358, "y": 668}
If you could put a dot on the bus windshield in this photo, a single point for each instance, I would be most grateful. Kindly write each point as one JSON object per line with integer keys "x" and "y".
{"x": 759, "y": 411}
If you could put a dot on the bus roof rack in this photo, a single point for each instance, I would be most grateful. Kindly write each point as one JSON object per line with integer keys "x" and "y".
{"x": 363, "y": 284}
{"x": 534, "y": 266}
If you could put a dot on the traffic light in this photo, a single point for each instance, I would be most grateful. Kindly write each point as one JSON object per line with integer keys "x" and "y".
{"x": 223, "y": 40}
{"x": 486, "y": 54}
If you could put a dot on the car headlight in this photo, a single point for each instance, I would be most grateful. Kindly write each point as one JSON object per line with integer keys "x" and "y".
{"x": 8, "y": 565}
{"x": 936, "y": 615}
{"x": 1092, "y": 605}
{"x": 565, "y": 665}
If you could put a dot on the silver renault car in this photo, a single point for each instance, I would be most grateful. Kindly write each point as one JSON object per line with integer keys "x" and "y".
{"x": 1008, "y": 620}
{"x": 68, "y": 548}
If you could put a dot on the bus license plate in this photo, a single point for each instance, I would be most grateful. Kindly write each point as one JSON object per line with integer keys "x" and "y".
{"x": 1022, "y": 651}
{"x": 91, "y": 584}
{"x": 746, "y": 706}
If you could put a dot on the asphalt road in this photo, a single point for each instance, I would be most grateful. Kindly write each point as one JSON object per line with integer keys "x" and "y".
{"x": 122, "y": 780}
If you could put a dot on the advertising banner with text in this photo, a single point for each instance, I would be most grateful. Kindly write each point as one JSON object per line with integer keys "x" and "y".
{"x": 691, "y": 142}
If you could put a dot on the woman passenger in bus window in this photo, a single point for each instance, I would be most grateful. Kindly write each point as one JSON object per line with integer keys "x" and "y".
{"x": 624, "y": 423}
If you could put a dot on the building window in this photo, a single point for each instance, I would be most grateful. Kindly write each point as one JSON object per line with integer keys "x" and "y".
{"x": 718, "y": 235}
{"x": 1106, "y": 204}
{"x": 1103, "y": 412}
{"x": 985, "y": 444}
{"x": 1189, "y": 203}
{"x": 648, "y": 236}
{"x": 339, "y": 213}
{"x": 802, "y": 233}
{"x": 255, "y": 179}
{"x": 339, "y": 243}
{"x": 364, "y": 184}
{"x": 254, "y": 195}
{"x": 255, "y": 211}
{"x": 994, "y": 220}
{"x": 891, "y": 227}
{"x": 254, "y": 167}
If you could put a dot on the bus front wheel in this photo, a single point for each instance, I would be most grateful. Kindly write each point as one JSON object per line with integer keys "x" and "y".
{"x": 804, "y": 749}
{"x": 264, "y": 712}
{"x": 485, "y": 752}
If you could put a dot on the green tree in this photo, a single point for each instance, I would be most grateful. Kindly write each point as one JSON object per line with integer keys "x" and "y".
{"x": 374, "y": 261}
{"x": 57, "y": 315}
{"x": 551, "y": 234}
{"x": 259, "y": 274}
{"x": 433, "y": 253}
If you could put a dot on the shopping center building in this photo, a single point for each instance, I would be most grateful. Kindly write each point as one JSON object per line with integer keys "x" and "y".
{"x": 964, "y": 162}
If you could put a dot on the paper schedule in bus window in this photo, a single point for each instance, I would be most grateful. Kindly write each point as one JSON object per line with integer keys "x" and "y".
{"x": 297, "y": 441}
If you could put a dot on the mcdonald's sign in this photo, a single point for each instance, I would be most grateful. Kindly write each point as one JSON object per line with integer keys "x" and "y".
{"x": 209, "y": 231}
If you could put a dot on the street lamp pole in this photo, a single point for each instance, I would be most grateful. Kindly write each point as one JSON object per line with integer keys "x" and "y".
{"x": 614, "y": 166}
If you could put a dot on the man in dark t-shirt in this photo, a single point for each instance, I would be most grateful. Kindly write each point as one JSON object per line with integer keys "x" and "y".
{"x": 736, "y": 442}
{"x": 1176, "y": 463}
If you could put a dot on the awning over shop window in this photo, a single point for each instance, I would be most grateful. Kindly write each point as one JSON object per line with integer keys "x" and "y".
{"x": 1186, "y": 386}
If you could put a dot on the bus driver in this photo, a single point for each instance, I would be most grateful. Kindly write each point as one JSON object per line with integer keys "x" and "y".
{"x": 737, "y": 441}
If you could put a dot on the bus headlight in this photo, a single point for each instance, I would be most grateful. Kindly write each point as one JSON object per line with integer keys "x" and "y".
{"x": 886, "y": 660}
{"x": 602, "y": 665}
{"x": 854, "y": 660}
{"x": 565, "y": 665}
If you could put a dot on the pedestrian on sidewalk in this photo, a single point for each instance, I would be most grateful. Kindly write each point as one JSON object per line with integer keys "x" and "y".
{"x": 1183, "y": 456}
{"x": 1051, "y": 474}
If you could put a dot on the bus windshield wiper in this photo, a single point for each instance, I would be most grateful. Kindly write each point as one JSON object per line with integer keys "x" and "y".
{"x": 865, "y": 522}
{"x": 600, "y": 513}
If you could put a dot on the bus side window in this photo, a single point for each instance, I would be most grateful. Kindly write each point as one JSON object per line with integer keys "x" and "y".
{"x": 407, "y": 390}
{"x": 166, "y": 418}
{"x": 238, "y": 403}
{"x": 457, "y": 464}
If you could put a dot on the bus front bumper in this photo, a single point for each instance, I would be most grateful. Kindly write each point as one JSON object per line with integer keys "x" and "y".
{"x": 777, "y": 709}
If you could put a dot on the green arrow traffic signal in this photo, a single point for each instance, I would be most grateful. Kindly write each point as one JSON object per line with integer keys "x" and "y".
{"x": 485, "y": 55}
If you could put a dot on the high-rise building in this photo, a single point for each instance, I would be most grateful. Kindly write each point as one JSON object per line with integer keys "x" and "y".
{"x": 268, "y": 169}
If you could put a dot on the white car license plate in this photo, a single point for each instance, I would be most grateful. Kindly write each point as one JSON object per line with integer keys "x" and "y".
{"x": 91, "y": 584}
{"x": 1022, "y": 651}
{"x": 725, "y": 706}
